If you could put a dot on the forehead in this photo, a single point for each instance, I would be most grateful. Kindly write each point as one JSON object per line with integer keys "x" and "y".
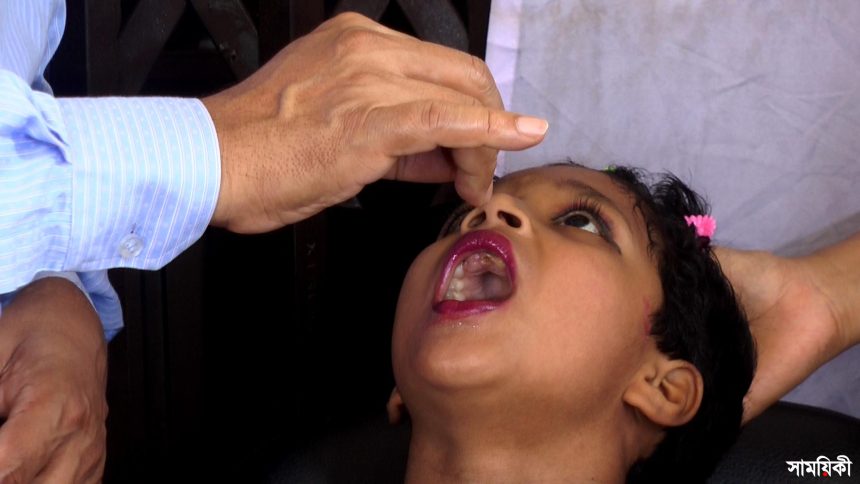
{"x": 564, "y": 177}
{"x": 559, "y": 181}
{"x": 550, "y": 173}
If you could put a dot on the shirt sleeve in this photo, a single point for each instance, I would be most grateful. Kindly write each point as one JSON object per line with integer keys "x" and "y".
{"x": 145, "y": 180}
{"x": 90, "y": 184}
{"x": 94, "y": 183}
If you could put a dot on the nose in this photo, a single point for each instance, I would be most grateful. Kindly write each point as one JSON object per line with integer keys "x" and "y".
{"x": 502, "y": 210}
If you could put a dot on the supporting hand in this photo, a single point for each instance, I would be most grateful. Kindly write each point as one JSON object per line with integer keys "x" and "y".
{"x": 52, "y": 386}
{"x": 794, "y": 316}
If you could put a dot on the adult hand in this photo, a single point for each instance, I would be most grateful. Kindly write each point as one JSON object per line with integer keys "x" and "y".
{"x": 793, "y": 317}
{"x": 52, "y": 387}
{"x": 348, "y": 104}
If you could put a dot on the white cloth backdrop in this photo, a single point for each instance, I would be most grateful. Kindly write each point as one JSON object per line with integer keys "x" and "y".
{"x": 756, "y": 104}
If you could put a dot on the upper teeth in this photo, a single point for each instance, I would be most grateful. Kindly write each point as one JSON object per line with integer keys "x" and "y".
{"x": 455, "y": 286}
{"x": 475, "y": 263}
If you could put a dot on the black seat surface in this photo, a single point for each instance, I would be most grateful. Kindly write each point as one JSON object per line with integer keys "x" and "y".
{"x": 790, "y": 432}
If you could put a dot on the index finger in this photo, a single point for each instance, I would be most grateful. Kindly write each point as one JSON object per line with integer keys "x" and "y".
{"x": 419, "y": 126}
{"x": 409, "y": 129}
{"x": 471, "y": 169}
{"x": 474, "y": 178}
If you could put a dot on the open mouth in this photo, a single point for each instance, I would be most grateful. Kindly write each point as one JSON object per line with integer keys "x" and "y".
{"x": 478, "y": 276}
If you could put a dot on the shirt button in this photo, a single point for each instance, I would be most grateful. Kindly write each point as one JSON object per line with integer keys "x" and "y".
{"x": 130, "y": 247}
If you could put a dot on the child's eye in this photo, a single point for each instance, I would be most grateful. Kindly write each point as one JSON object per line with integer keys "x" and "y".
{"x": 586, "y": 215}
{"x": 581, "y": 220}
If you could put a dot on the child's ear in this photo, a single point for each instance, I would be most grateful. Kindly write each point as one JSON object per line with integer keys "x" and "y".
{"x": 667, "y": 392}
{"x": 396, "y": 408}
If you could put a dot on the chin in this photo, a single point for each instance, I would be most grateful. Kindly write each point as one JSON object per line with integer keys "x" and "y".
{"x": 442, "y": 362}
{"x": 448, "y": 354}
{"x": 456, "y": 367}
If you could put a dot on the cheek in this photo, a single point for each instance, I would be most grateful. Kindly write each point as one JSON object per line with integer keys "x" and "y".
{"x": 593, "y": 299}
{"x": 589, "y": 322}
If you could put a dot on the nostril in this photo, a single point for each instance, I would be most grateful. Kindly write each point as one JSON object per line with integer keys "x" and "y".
{"x": 510, "y": 219}
{"x": 477, "y": 220}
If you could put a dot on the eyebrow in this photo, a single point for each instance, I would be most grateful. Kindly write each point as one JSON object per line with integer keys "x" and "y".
{"x": 591, "y": 192}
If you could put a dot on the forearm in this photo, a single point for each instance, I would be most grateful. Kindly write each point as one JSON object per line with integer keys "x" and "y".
{"x": 836, "y": 270}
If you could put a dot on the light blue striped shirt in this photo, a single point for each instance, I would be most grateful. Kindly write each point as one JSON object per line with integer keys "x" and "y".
{"x": 88, "y": 184}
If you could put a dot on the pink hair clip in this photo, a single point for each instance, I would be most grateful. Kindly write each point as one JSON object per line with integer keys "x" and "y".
{"x": 705, "y": 224}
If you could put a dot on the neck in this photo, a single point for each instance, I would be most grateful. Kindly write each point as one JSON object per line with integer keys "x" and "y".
{"x": 491, "y": 449}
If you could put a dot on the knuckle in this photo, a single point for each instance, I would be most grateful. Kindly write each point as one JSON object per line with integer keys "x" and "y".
{"x": 480, "y": 74}
{"x": 492, "y": 123}
{"x": 76, "y": 413}
{"x": 356, "y": 39}
{"x": 363, "y": 78}
{"x": 349, "y": 18}
{"x": 432, "y": 114}
{"x": 368, "y": 119}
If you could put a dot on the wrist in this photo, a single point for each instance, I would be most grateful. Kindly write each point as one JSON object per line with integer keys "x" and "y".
{"x": 218, "y": 107}
{"x": 840, "y": 288}
{"x": 54, "y": 305}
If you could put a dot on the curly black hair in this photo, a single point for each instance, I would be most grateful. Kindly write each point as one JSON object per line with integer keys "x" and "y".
{"x": 700, "y": 321}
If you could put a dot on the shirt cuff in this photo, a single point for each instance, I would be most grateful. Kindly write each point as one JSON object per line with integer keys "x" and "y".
{"x": 145, "y": 179}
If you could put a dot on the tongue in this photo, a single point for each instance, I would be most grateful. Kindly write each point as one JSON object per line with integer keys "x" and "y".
{"x": 494, "y": 287}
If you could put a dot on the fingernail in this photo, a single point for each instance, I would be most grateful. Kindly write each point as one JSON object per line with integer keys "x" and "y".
{"x": 532, "y": 126}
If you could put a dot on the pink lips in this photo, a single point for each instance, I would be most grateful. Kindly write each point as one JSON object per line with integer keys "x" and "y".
{"x": 479, "y": 240}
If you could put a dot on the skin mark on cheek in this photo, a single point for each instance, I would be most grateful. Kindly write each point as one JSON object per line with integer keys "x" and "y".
{"x": 647, "y": 318}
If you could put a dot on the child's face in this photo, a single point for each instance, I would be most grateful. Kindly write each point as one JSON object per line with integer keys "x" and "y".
{"x": 555, "y": 307}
